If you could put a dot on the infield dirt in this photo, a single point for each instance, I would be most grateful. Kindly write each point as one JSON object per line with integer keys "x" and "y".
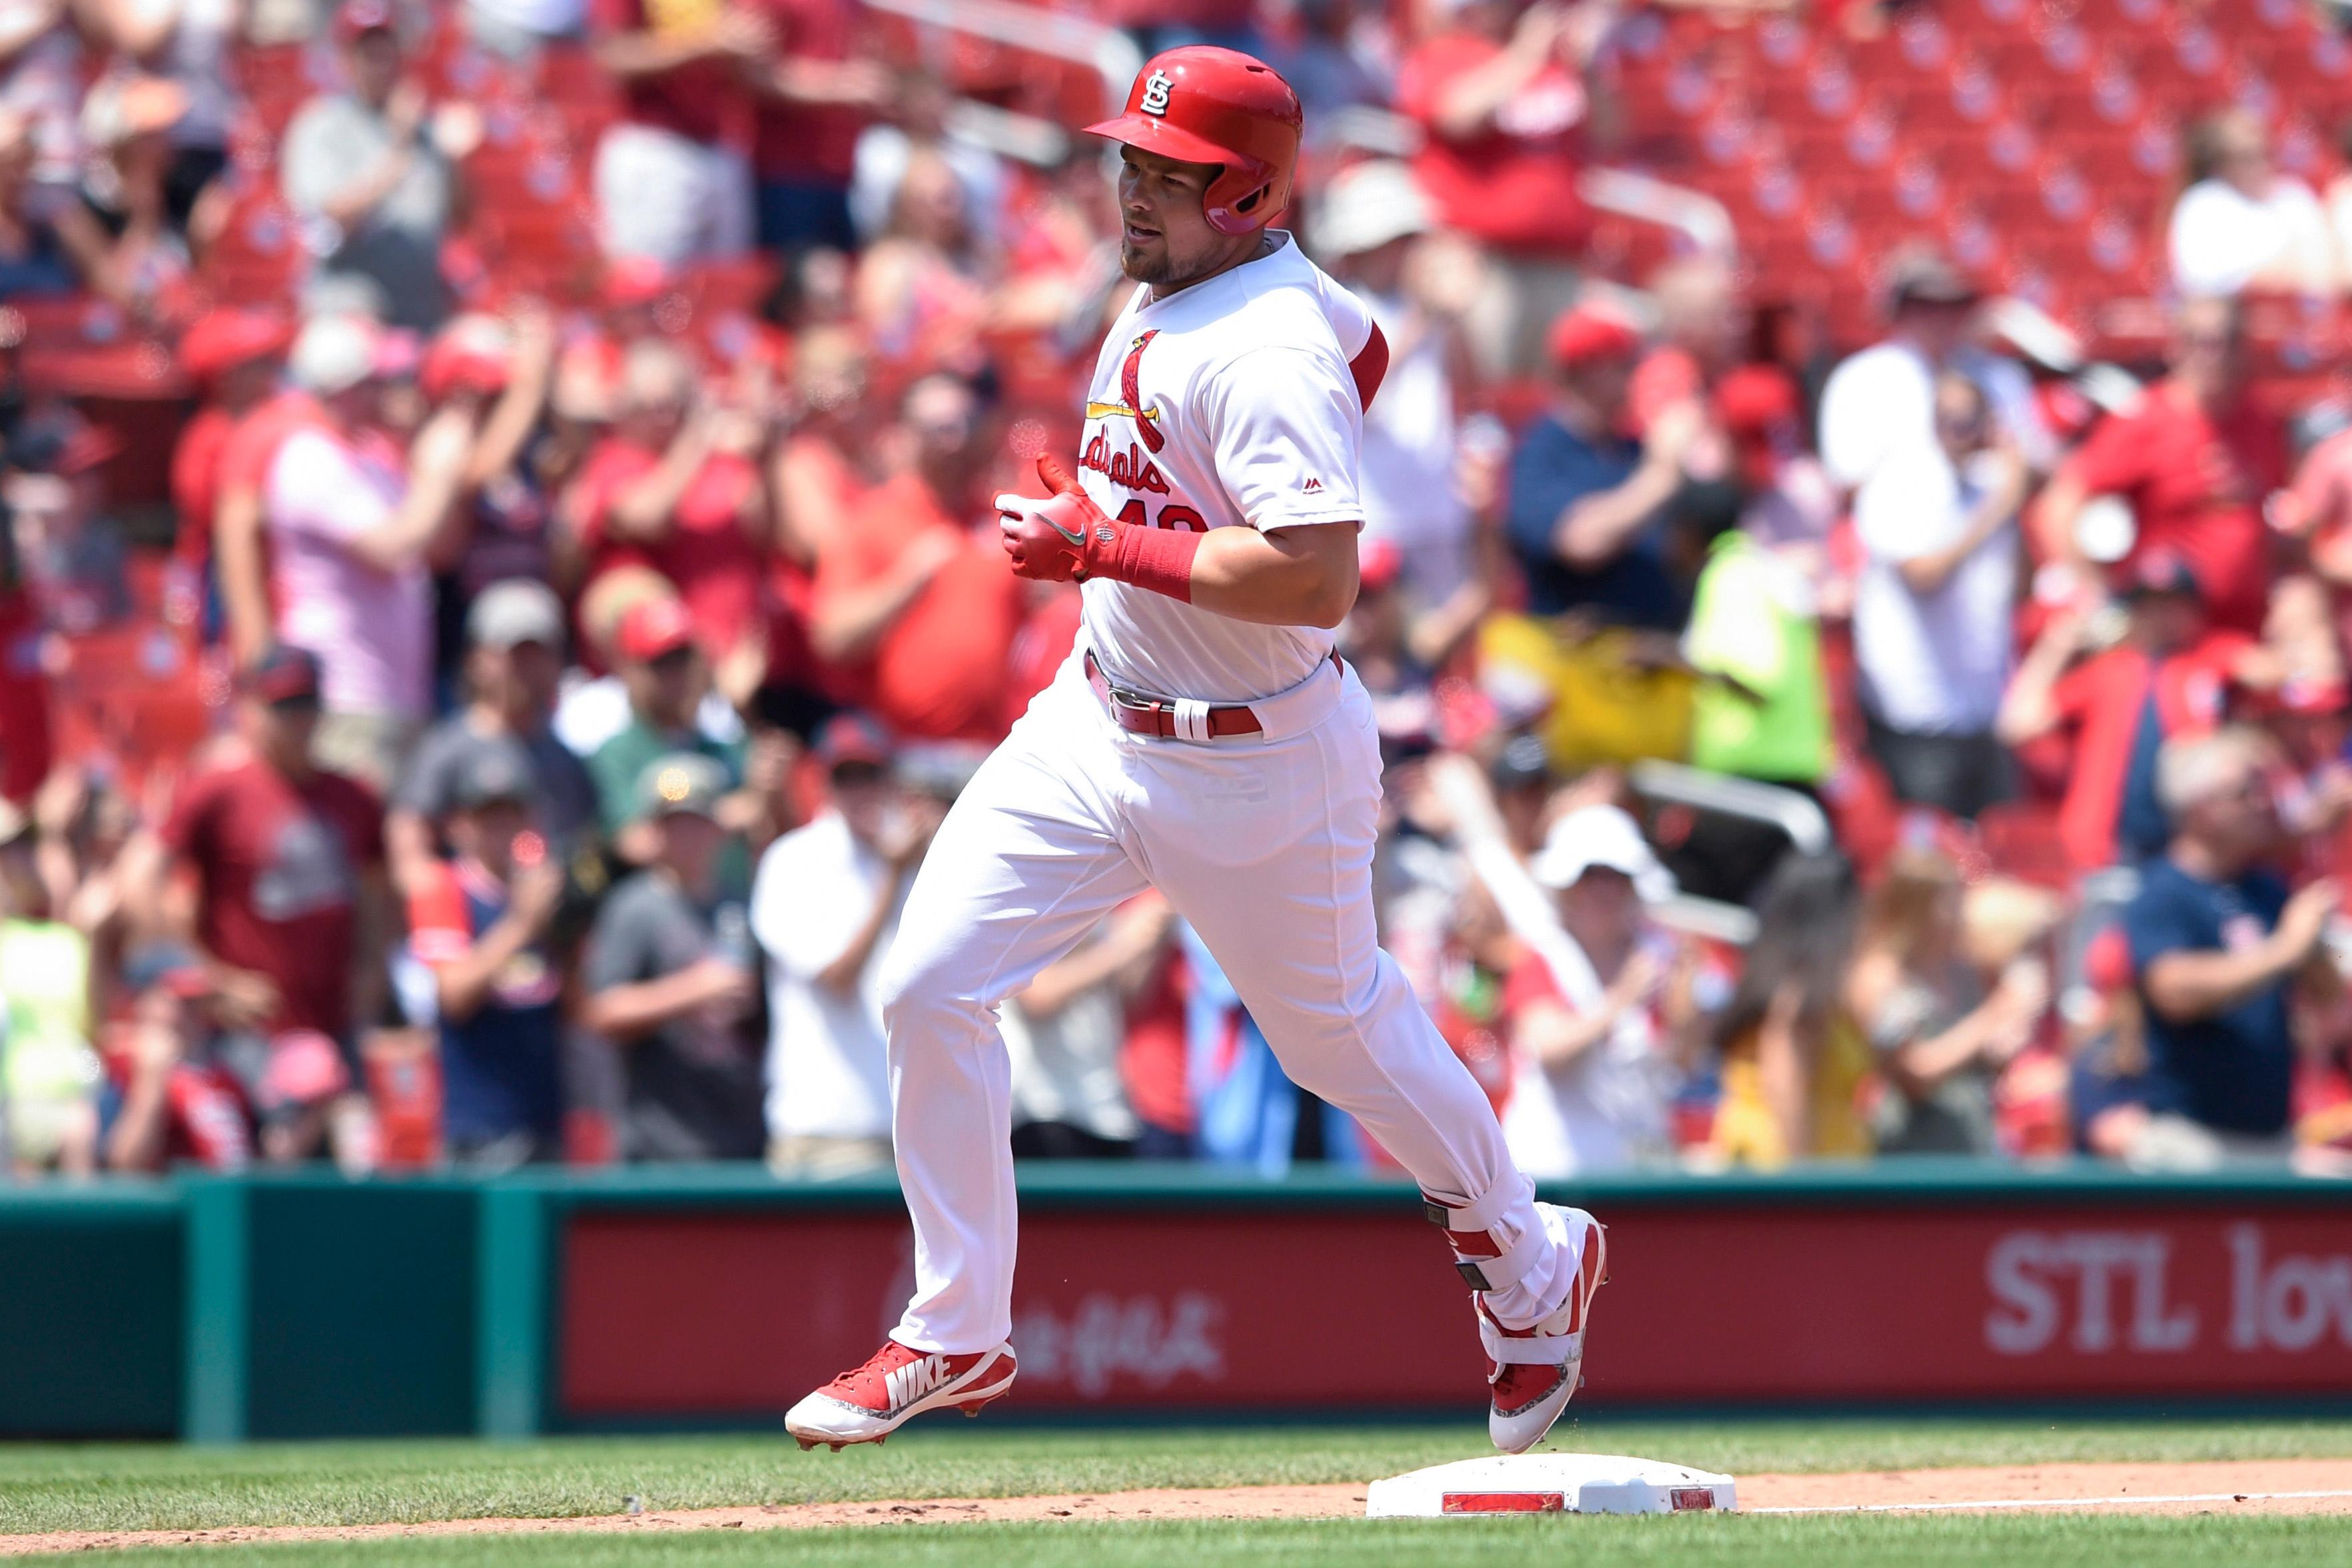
{"x": 2266, "y": 1486}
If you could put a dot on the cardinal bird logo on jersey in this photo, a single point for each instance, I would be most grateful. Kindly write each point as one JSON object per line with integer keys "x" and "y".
{"x": 1130, "y": 378}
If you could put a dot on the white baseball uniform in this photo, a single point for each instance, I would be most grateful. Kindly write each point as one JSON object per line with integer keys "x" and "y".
{"x": 1229, "y": 404}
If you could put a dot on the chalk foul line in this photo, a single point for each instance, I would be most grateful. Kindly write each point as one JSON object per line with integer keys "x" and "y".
{"x": 2052, "y": 1502}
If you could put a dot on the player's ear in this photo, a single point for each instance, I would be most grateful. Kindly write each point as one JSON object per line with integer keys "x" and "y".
{"x": 1056, "y": 477}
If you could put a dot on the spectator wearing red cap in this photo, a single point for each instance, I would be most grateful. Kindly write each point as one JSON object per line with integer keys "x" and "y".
{"x": 2196, "y": 460}
{"x": 496, "y": 372}
{"x": 365, "y": 163}
{"x": 1503, "y": 95}
{"x": 291, "y": 916}
{"x": 172, "y": 1103}
{"x": 662, "y": 666}
{"x": 1587, "y": 503}
{"x": 673, "y": 183}
{"x": 909, "y": 599}
{"x": 234, "y": 356}
{"x": 677, "y": 486}
{"x": 1935, "y": 606}
{"x": 2168, "y": 676}
{"x": 351, "y": 527}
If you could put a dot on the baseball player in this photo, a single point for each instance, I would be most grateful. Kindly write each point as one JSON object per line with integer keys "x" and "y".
{"x": 1204, "y": 739}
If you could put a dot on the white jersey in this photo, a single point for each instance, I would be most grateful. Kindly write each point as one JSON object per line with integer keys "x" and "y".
{"x": 1232, "y": 404}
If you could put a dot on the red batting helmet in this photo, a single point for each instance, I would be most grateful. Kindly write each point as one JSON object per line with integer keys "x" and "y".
{"x": 1205, "y": 105}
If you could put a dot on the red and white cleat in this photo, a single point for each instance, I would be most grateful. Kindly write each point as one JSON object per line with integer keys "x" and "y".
{"x": 869, "y": 1402}
{"x": 1533, "y": 1372}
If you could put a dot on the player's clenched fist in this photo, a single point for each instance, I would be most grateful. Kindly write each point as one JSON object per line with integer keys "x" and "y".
{"x": 1065, "y": 537}
{"x": 1054, "y": 540}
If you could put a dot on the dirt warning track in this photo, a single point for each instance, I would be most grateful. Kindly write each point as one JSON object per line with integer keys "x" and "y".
{"x": 2268, "y": 1486}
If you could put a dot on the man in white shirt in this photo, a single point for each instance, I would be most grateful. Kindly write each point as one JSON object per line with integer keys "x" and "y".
{"x": 1880, "y": 403}
{"x": 825, "y": 907}
{"x": 2243, "y": 223}
{"x": 1934, "y": 605}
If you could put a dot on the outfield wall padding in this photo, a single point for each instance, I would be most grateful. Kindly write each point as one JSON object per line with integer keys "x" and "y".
{"x": 303, "y": 1305}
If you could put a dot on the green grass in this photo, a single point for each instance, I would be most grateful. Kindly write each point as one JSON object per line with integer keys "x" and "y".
{"x": 158, "y": 1487}
{"x": 1933, "y": 1541}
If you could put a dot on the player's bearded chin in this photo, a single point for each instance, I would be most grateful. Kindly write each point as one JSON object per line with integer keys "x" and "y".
{"x": 1156, "y": 266}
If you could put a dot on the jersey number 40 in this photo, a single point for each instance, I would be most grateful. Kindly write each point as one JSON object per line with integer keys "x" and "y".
{"x": 1175, "y": 514}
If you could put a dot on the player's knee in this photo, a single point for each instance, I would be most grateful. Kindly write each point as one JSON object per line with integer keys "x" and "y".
{"x": 921, "y": 994}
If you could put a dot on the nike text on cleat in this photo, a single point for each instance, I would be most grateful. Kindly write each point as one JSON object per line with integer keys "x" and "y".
{"x": 869, "y": 1403}
{"x": 1533, "y": 1372}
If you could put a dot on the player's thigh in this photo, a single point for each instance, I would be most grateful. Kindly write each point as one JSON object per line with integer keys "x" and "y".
{"x": 1027, "y": 860}
{"x": 1272, "y": 862}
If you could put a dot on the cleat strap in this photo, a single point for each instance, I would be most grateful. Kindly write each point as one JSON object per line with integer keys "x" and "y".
{"x": 1478, "y": 1214}
{"x": 1507, "y": 1267}
{"x": 1529, "y": 1350}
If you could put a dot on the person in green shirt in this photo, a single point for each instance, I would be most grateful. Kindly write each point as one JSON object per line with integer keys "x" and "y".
{"x": 666, "y": 676}
{"x": 49, "y": 1073}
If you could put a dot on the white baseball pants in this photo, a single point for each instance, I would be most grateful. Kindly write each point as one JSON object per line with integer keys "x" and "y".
{"x": 1265, "y": 843}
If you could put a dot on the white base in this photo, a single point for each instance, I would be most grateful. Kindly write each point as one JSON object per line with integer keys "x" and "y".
{"x": 1549, "y": 1483}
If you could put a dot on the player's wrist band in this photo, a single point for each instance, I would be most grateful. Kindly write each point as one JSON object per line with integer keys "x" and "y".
{"x": 1160, "y": 559}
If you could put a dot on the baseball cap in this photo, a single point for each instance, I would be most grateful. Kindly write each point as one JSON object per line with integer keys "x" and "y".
{"x": 680, "y": 782}
{"x": 515, "y": 611}
{"x": 1521, "y": 762}
{"x": 1368, "y": 206}
{"x": 1754, "y": 400}
{"x": 1599, "y": 836}
{"x": 281, "y": 674}
{"x": 491, "y": 770}
{"x": 170, "y": 964}
{"x": 334, "y": 353}
{"x": 2153, "y": 571}
{"x": 1922, "y": 276}
{"x": 656, "y": 628}
{"x": 473, "y": 353}
{"x": 121, "y": 107}
{"x": 1586, "y": 335}
{"x": 221, "y": 340}
{"x": 362, "y": 16}
{"x": 1379, "y": 564}
{"x": 852, "y": 737}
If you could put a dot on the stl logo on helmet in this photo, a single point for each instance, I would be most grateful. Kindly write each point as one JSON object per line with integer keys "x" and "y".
{"x": 1156, "y": 88}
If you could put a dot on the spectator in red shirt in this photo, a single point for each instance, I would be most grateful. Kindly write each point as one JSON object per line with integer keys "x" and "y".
{"x": 672, "y": 182}
{"x": 2170, "y": 676}
{"x": 234, "y": 356}
{"x": 676, "y": 487}
{"x": 913, "y": 597}
{"x": 814, "y": 100}
{"x": 1501, "y": 96}
{"x": 291, "y": 914}
{"x": 2196, "y": 460}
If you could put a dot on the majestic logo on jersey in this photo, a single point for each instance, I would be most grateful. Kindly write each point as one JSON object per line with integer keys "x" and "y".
{"x": 1131, "y": 388}
{"x": 1156, "y": 88}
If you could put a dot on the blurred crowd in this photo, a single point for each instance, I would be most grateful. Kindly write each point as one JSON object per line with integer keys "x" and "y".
{"x": 1795, "y": 749}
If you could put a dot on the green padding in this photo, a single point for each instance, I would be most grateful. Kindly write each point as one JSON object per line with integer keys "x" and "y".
{"x": 89, "y": 1315}
{"x": 361, "y": 1309}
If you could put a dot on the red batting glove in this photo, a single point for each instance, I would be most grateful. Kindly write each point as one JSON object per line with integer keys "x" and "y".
{"x": 1066, "y": 538}
{"x": 1062, "y": 538}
